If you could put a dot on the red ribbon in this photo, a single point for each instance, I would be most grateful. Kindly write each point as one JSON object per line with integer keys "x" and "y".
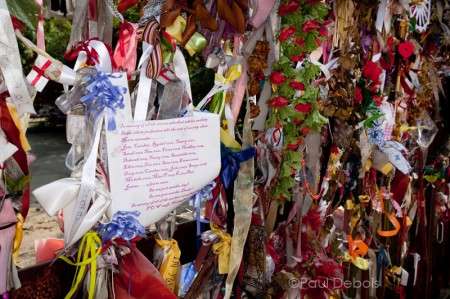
{"x": 13, "y": 136}
{"x": 40, "y": 72}
{"x": 92, "y": 55}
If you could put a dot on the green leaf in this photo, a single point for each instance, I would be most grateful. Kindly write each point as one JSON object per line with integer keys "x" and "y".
{"x": 26, "y": 11}
{"x": 431, "y": 178}
{"x": 368, "y": 122}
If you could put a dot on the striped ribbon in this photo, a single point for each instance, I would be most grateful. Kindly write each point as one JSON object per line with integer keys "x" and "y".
{"x": 150, "y": 34}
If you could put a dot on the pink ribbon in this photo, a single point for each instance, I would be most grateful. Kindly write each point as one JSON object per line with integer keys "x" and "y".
{"x": 263, "y": 9}
{"x": 125, "y": 55}
{"x": 40, "y": 40}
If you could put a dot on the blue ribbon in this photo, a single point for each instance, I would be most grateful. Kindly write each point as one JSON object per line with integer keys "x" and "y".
{"x": 382, "y": 260}
{"x": 103, "y": 95}
{"x": 231, "y": 162}
{"x": 187, "y": 277}
{"x": 123, "y": 225}
{"x": 196, "y": 200}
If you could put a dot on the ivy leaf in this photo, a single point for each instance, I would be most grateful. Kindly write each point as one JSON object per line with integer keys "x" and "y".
{"x": 310, "y": 42}
{"x": 315, "y": 120}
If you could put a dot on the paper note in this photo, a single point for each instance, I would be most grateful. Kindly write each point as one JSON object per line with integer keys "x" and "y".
{"x": 155, "y": 166}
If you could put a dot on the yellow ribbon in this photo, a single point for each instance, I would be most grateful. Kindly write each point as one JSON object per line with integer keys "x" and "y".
{"x": 358, "y": 261}
{"x": 18, "y": 237}
{"x": 233, "y": 74}
{"x": 171, "y": 263}
{"x": 222, "y": 248}
{"x": 89, "y": 250}
{"x": 15, "y": 117}
{"x": 195, "y": 44}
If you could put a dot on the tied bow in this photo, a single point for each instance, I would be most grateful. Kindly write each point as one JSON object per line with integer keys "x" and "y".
{"x": 391, "y": 149}
{"x": 222, "y": 248}
{"x": 206, "y": 193}
{"x": 357, "y": 249}
{"x": 104, "y": 95}
{"x": 124, "y": 225}
{"x": 91, "y": 53}
{"x": 231, "y": 162}
{"x": 233, "y": 74}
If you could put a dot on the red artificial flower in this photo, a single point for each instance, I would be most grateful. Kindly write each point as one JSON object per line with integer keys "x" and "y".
{"x": 287, "y": 33}
{"x": 304, "y": 131}
{"x": 323, "y": 31}
{"x": 17, "y": 24}
{"x": 310, "y": 26}
{"x": 277, "y": 78}
{"x": 371, "y": 71}
{"x": 292, "y": 146}
{"x": 373, "y": 88}
{"x": 300, "y": 42}
{"x": 311, "y": 2}
{"x": 289, "y": 7}
{"x": 278, "y": 102}
{"x": 318, "y": 42}
{"x": 298, "y": 58}
{"x": 297, "y": 85}
{"x": 358, "y": 95}
{"x": 298, "y": 122}
{"x": 303, "y": 107}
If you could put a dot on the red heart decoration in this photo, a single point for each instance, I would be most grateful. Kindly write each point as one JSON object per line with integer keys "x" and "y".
{"x": 406, "y": 49}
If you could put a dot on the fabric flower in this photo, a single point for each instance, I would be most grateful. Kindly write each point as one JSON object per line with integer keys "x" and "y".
{"x": 296, "y": 58}
{"x": 323, "y": 31}
{"x": 318, "y": 42}
{"x": 287, "y": 33}
{"x": 310, "y": 25}
{"x": 300, "y": 42}
{"x": 297, "y": 85}
{"x": 278, "y": 102}
{"x": 304, "y": 131}
{"x": 277, "y": 78}
{"x": 378, "y": 99}
{"x": 303, "y": 107}
{"x": 311, "y": 2}
{"x": 371, "y": 71}
{"x": 289, "y": 7}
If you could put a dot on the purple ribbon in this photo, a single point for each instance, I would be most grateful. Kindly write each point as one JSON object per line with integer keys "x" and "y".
{"x": 204, "y": 194}
{"x": 123, "y": 225}
{"x": 103, "y": 95}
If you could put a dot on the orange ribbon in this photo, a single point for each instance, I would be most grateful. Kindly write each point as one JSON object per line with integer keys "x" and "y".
{"x": 392, "y": 218}
{"x": 357, "y": 247}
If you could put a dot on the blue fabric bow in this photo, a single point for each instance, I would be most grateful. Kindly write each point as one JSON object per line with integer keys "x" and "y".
{"x": 382, "y": 260}
{"x": 196, "y": 200}
{"x": 231, "y": 162}
{"x": 104, "y": 95}
{"x": 123, "y": 225}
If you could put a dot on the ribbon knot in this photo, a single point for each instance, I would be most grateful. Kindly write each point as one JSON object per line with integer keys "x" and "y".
{"x": 206, "y": 193}
{"x": 231, "y": 162}
{"x": 88, "y": 252}
{"x": 222, "y": 248}
{"x": 124, "y": 225}
{"x": 91, "y": 53}
{"x": 104, "y": 95}
{"x": 233, "y": 74}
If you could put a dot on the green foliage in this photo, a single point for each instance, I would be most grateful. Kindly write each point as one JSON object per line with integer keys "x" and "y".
{"x": 26, "y": 11}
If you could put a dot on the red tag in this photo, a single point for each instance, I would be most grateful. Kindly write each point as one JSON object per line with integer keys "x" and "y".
{"x": 406, "y": 49}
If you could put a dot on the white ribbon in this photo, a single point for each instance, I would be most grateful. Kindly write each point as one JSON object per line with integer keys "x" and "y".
{"x": 103, "y": 56}
{"x": 7, "y": 149}
{"x": 62, "y": 194}
{"x": 10, "y": 64}
{"x": 145, "y": 85}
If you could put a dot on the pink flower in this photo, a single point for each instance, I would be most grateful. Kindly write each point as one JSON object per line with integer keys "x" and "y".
{"x": 277, "y": 78}
{"x": 278, "y": 102}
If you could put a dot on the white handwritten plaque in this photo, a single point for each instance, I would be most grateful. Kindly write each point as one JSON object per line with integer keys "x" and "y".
{"x": 155, "y": 166}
